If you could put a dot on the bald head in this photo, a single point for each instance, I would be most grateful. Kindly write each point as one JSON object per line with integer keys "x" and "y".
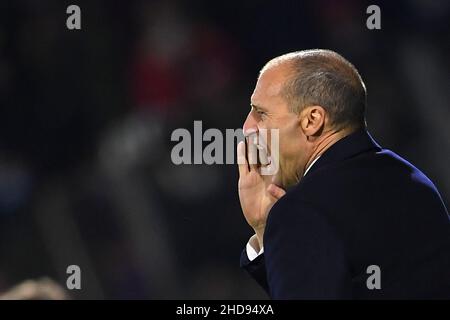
{"x": 323, "y": 78}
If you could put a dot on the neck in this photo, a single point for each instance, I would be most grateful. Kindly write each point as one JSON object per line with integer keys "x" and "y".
{"x": 326, "y": 140}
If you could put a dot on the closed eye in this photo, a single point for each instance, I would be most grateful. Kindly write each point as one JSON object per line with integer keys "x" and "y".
{"x": 258, "y": 110}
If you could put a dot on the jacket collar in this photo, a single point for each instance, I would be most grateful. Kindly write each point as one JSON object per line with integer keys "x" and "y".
{"x": 355, "y": 143}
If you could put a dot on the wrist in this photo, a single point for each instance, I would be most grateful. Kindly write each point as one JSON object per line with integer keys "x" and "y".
{"x": 259, "y": 233}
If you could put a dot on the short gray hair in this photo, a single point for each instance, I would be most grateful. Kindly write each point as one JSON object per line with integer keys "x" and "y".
{"x": 324, "y": 78}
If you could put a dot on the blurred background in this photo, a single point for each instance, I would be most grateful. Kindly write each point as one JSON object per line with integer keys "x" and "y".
{"x": 86, "y": 117}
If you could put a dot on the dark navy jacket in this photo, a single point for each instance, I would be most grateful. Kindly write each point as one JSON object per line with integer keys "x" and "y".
{"x": 359, "y": 205}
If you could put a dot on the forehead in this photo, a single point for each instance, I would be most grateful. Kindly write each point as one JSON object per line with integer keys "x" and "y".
{"x": 269, "y": 85}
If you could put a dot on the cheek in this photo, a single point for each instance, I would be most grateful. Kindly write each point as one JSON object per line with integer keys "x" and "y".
{"x": 291, "y": 142}
{"x": 287, "y": 136}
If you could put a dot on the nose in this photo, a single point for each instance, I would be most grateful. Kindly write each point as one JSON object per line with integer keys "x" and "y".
{"x": 250, "y": 123}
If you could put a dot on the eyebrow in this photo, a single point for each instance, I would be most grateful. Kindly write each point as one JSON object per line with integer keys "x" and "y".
{"x": 257, "y": 107}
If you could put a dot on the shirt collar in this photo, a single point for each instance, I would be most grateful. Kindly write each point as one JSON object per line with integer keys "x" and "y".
{"x": 309, "y": 167}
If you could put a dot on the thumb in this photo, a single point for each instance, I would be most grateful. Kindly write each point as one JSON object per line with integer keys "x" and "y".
{"x": 275, "y": 191}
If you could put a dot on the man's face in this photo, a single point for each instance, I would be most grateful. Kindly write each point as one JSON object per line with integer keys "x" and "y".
{"x": 270, "y": 111}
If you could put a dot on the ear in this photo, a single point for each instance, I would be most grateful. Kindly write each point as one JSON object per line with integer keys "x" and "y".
{"x": 312, "y": 120}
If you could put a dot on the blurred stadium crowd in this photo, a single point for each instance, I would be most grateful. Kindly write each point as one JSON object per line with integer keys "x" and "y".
{"x": 86, "y": 118}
